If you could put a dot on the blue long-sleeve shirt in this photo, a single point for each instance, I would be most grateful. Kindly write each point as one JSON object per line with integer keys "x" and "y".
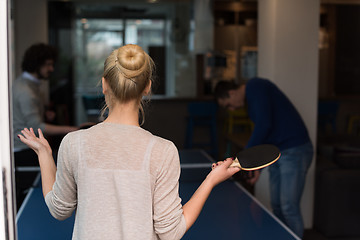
{"x": 276, "y": 119}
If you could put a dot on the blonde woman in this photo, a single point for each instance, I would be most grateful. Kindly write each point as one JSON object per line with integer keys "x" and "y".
{"x": 122, "y": 180}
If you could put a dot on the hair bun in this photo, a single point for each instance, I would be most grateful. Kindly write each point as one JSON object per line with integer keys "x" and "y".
{"x": 131, "y": 57}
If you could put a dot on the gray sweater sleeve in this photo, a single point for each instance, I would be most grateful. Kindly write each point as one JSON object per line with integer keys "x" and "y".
{"x": 169, "y": 221}
{"x": 62, "y": 200}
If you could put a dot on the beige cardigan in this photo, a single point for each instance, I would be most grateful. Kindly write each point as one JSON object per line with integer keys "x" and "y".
{"x": 122, "y": 181}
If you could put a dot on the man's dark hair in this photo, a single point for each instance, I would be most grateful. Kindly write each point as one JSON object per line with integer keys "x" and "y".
{"x": 36, "y": 55}
{"x": 223, "y": 87}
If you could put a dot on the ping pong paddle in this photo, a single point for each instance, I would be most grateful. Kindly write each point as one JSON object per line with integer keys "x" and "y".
{"x": 256, "y": 157}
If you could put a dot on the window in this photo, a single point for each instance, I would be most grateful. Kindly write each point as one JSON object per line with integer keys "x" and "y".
{"x": 86, "y": 33}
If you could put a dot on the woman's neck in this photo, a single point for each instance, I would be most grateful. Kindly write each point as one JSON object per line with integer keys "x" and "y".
{"x": 124, "y": 113}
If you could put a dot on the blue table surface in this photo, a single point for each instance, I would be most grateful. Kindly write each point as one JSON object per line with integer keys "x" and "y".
{"x": 34, "y": 222}
{"x": 230, "y": 212}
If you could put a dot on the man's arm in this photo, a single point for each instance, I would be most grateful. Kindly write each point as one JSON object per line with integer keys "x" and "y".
{"x": 259, "y": 111}
{"x": 51, "y": 129}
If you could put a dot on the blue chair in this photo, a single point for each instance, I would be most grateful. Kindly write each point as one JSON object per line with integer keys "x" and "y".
{"x": 202, "y": 115}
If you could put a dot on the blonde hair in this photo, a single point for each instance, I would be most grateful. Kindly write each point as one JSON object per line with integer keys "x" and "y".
{"x": 128, "y": 71}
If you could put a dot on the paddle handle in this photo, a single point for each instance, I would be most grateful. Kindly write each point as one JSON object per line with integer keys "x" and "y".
{"x": 235, "y": 163}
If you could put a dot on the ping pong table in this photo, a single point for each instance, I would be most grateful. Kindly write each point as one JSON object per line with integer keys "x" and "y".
{"x": 230, "y": 213}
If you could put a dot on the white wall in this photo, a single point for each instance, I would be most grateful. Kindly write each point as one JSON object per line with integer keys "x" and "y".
{"x": 7, "y": 208}
{"x": 288, "y": 56}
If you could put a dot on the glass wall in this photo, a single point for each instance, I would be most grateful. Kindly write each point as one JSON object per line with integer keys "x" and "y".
{"x": 86, "y": 33}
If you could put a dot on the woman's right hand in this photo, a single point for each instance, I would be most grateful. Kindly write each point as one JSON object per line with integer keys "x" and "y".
{"x": 38, "y": 144}
{"x": 221, "y": 171}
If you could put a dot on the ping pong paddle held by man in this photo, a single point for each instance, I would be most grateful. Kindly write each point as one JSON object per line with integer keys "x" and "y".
{"x": 256, "y": 157}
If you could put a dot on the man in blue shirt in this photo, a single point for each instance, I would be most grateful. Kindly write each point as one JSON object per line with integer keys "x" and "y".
{"x": 276, "y": 121}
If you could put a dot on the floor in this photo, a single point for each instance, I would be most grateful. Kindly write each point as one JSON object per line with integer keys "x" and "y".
{"x": 312, "y": 234}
